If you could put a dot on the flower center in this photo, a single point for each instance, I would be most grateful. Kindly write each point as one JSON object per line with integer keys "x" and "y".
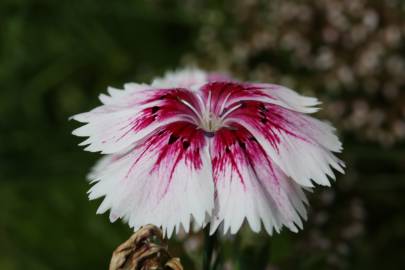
{"x": 210, "y": 123}
{"x": 206, "y": 119}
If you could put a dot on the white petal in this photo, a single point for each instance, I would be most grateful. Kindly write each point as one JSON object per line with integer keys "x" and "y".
{"x": 250, "y": 187}
{"x": 287, "y": 98}
{"x": 299, "y": 144}
{"x": 154, "y": 184}
{"x": 116, "y": 127}
{"x": 185, "y": 78}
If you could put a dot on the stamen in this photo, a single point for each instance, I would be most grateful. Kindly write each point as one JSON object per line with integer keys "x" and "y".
{"x": 202, "y": 105}
{"x": 189, "y": 118}
{"x": 222, "y": 110}
{"x": 204, "y": 118}
{"x": 209, "y": 101}
{"x": 191, "y": 108}
{"x": 230, "y": 111}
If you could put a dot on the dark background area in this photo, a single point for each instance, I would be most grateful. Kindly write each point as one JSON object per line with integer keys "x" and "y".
{"x": 57, "y": 56}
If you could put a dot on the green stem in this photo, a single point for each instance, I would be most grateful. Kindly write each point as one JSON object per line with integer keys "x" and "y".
{"x": 210, "y": 242}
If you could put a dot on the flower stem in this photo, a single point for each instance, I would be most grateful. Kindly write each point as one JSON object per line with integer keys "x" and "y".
{"x": 210, "y": 242}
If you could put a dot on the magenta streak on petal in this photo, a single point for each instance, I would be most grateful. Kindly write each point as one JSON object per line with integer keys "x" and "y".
{"x": 254, "y": 152}
{"x": 256, "y": 157}
{"x": 238, "y": 148}
{"x": 177, "y": 141}
{"x": 268, "y": 118}
{"x": 247, "y": 154}
{"x": 226, "y": 151}
{"x": 171, "y": 102}
{"x": 227, "y": 94}
{"x": 148, "y": 144}
{"x": 169, "y": 105}
{"x": 183, "y": 144}
{"x": 126, "y": 132}
{"x": 259, "y": 154}
{"x": 220, "y": 92}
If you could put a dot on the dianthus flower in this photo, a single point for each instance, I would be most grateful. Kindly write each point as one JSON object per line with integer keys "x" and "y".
{"x": 195, "y": 147}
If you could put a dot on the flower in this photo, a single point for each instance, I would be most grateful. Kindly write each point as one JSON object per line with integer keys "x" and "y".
{"x": 195, "y": 147}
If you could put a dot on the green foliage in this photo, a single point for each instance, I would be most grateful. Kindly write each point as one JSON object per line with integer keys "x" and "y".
{"x": 57, "y": 56}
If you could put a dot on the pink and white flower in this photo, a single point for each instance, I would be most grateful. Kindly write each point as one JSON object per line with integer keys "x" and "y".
{"x": 203, "y": 148}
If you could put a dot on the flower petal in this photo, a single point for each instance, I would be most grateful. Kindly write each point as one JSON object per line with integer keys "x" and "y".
{"x": 185, "y": 78}
{"x": 299, "y": 144}
{"x": 285, "y": 97}
{"x": 119, "y": 98}
{"x": 223, "y": 95}
{"x": 126, "y": 119}
{"x": 249, "y": 185}
{"x": 166, "y": 180}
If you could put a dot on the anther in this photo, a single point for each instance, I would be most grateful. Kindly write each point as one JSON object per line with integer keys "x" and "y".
{"x": 172, "y": 139}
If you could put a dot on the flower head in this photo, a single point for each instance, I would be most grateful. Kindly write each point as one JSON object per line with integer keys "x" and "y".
{"x": 204, "y": 148}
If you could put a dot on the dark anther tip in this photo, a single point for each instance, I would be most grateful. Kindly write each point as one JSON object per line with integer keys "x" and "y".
{"x": 155, "y": 109}
{"x": 172, "y": 139}
{"x": 262, "y": 107}
{"x": 209, "y": 134}
{"x": 186, "y": 144}
{"x": 253, "y": 139}
{"x": 242, "y": 144}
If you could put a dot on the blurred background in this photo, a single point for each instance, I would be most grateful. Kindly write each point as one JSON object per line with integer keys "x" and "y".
{"x": 57, "y": 56}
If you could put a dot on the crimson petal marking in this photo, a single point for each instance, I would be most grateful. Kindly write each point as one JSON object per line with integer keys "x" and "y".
{"x": 224, "y": 96}
{"x": 249, "y": 185}
{"x": 166, "y": 180}
{"x": 118, "y": 126}
{"x": 219, "y": 94}
{"x": 286, "y": 97}
{"x": 299, "y": 144}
